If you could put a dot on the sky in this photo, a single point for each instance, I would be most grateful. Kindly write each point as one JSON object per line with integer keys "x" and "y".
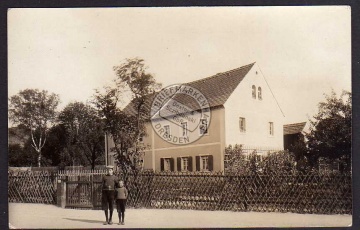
{"x": 303, "y": 52}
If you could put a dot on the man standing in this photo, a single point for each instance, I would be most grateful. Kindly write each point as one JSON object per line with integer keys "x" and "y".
{"x": 109, "y": 183}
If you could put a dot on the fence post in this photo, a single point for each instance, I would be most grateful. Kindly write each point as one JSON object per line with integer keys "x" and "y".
{"x": 61, "y": 193}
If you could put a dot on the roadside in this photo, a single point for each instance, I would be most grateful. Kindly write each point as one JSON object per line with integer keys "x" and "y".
{"x": 49, "y": 216}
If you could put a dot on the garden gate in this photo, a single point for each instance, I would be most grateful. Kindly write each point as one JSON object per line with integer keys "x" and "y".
{"x": 83, "y": 189}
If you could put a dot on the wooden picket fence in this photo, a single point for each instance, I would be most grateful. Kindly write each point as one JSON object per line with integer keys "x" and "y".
{"x": 299, "y": 193}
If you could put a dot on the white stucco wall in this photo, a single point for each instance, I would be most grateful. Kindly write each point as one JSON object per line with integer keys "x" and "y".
{"x": 258, "y": 114}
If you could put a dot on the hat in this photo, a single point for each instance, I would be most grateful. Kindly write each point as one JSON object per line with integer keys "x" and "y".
{"x": 109, "y": 167}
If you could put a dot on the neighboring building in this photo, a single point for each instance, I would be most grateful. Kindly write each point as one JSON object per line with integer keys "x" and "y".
{"x": 243, "y": 111}
{"x": 293, "y": 134}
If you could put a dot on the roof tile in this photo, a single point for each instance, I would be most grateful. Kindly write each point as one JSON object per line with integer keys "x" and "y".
{"x": 217, "y": 89}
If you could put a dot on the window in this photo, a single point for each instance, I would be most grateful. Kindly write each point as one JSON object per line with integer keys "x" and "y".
{"x": 203, "y": 126}
{"x": 259, "y": 93}
{"x": 167, "y": 164}
{"x": 167, "y": 130}
{"x": 258, "y": 158}
{"x": 254, "y": 91}
{"x": 184, "y": 129}
{"x": 141, "y": 137}
{"x": 184, "y": 164}
{"x": 271, "y": 128}
{"x": 242, "y": 124}
{"x": 141, "y": 163}
{"x": 204, "y": 163}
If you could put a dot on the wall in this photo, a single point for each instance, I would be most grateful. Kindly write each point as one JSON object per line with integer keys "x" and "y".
{"x": 258, "y": 114}
{"x": 211, "y": 144}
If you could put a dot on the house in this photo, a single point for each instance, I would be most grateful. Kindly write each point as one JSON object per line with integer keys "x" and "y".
{"x": 242, "y": 109}
{"x": 293, "y": 134}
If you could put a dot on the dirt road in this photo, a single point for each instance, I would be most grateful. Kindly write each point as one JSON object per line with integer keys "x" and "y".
{"x": 49, "y": 216}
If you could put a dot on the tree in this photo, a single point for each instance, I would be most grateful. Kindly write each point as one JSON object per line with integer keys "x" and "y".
{"x": 301, "y": 154}
{"x": 235, "y": 159}
{"x": 55, "y": 147}
{"x": 18, "y": 135}
{"x": 125, "y": 129}
{"x": 131, "y": 74}
{"x": 239, "y": 162}
{"x": 36, "y": 110}
{"x": 122, "y": 128}
{"x": 20, "y": 156}
{"x": 330, "y": 129}
{"x": 84, "y": 133}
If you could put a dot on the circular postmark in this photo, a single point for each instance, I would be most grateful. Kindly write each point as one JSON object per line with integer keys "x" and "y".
{"x": 180, "y": 114}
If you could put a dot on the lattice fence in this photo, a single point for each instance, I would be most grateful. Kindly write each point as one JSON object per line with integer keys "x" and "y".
{"x": 32, "y": 187}
{"x": 308, "y": 193}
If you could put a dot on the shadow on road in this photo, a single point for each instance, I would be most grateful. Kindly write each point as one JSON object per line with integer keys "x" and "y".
{"x": 86, "y": 221}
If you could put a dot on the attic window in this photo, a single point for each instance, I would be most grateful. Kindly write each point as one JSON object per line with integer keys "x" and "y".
{"x": 254, "y": 91}
{"x": 259, "y": 93}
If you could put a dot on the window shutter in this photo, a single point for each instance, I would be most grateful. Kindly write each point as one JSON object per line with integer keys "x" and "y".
{"x": 179, "y": 164}
{"x": 197, "y": 163}
{"x": 190, "y": 164}
{"x": 171, "y": 164}
{"x": 162, "y": 164}
{"x": 210, "y": 162}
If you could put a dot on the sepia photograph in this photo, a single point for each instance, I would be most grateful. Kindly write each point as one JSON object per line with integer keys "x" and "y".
{"x": 180, "y": 117}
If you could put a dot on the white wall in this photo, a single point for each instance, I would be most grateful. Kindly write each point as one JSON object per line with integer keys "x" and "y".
{"x": 258, "y": 114}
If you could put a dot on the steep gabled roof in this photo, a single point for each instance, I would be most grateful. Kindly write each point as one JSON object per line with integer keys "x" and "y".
{"x": 294, "y": 128}
{"x": 217, "y": 89}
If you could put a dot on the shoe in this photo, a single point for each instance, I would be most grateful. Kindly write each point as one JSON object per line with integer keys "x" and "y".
{"x": 122, "y": 223}
{"x": 119, "y": 223}
{"x": 105, "y": 223}
{"x": 110, "y": 222}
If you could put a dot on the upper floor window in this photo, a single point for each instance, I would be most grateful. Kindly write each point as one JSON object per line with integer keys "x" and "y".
{"x": 184, "y": 129}
{"x": 203, "y": 126}
{"x": 271, "y": 128}
{"x": 254, "y": 91}
{"x": 259, "y": 93}
{"x": 242, "y": 124}
{"x": 167, "y": 130}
